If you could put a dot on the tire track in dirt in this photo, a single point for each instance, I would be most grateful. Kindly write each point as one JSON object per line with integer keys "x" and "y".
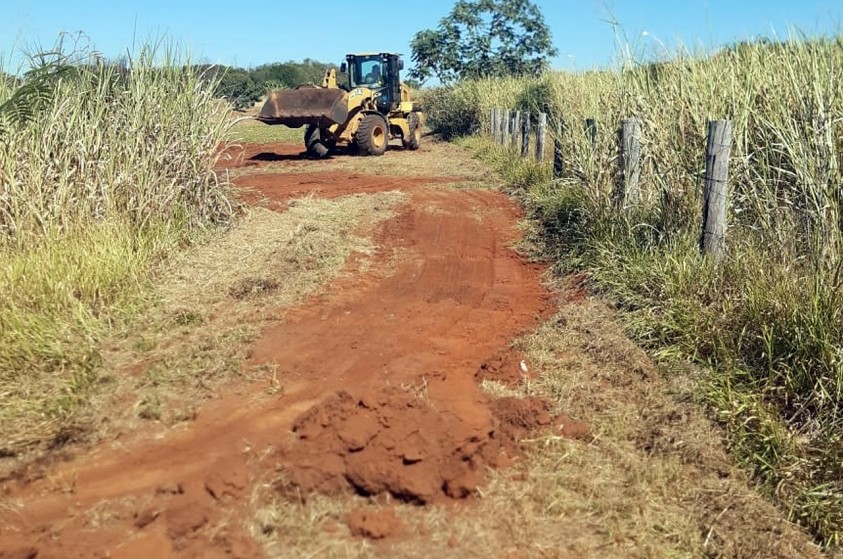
{"x": 398, "y": 347}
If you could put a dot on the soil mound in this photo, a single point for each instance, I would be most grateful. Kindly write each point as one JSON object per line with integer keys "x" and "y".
{"x": 389, "y": 441}
{"x": 393, "y": 441}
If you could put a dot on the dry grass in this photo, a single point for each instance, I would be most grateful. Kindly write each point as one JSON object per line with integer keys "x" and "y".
{"x": 313, "y": 530}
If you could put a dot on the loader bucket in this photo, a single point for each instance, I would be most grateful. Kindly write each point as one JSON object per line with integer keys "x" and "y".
{"x": 305, "y": 105}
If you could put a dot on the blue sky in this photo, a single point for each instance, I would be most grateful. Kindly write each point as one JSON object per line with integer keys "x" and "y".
{"x": 252, "y": 33}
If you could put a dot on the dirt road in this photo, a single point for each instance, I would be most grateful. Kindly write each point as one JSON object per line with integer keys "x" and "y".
{"x": 378, "y": 396}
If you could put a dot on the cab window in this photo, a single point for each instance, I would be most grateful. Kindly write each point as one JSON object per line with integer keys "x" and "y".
{"x": 368, "y": 72}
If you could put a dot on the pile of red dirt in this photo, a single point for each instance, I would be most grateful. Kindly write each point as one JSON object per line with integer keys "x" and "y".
{"x": 406, "y": 444}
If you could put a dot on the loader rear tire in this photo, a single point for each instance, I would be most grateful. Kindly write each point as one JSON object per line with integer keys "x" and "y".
{"x": 413, "y": 139}
{"x": 313, "y": 142}
{"x": 372, "y": 135}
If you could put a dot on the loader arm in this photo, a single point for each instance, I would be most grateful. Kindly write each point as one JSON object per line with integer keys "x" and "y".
{"x": 330, "y": 79}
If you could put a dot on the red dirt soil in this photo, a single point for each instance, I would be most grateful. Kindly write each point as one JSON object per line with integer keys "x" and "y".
{"x": 374, "y": 525}
{"x": 391, "y": 441}
{"x": 379, "y": 395}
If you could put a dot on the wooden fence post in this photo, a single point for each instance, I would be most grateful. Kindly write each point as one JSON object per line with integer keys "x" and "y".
{"x": 525, "y": 136}
{"x": 558, "y": 160}
{"x": 516, "y": 128}
{"x": 591, "y": 131}
{"x": 630, "y": 136}
{"x": 505, "y": 128}
{"x": 540, "y": 136}
{"x": 493, "y": 125}
{"x": 713, "y": 239}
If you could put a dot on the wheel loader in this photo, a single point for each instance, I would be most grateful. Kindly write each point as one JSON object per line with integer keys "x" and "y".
{"x": 367, "y": 111}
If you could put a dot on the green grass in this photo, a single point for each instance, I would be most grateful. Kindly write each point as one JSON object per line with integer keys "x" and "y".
{"x": 59, "y": 300}
{"x": 767, "y": 324}
{"x": 254, "y": 132}
{"x": 104, "y": 171}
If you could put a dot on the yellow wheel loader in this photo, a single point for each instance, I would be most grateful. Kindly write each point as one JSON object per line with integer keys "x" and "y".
{"x": 371, "y": 109}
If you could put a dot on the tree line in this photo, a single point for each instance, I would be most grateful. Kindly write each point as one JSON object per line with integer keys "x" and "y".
{"x": 242, "y": 87}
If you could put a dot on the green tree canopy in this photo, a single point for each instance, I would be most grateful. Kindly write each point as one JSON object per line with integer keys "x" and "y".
{"x": 484, "y": 38}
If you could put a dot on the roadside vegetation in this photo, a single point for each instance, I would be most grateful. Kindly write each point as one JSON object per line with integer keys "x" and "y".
{"x": 767, "y": 324}
{"x": 104, "y": 170}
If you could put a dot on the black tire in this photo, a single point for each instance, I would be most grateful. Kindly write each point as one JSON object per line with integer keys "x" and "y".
{"x": 413, "y": 139}
{"x": 313, "y": 142}
{"x": 372, "y": 135}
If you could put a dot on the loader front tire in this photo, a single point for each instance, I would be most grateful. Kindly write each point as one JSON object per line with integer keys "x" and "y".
{"x": 313, "y": 142}
{"x": 413, "y": 139}
{"x": 372, "y": 135}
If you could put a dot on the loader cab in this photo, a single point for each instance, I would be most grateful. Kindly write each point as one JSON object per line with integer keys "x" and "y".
{"x": 379, "y": 72}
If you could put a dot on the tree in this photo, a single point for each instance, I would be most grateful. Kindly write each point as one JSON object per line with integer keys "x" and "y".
{"x": 412, "y": 83}
{"x": 484, "y": 38}
{"x": 32, "y": 94}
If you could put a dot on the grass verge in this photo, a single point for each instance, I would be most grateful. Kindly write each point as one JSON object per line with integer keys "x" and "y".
{"x": 105, "y": 170}
{"x": 58, "y": 300}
